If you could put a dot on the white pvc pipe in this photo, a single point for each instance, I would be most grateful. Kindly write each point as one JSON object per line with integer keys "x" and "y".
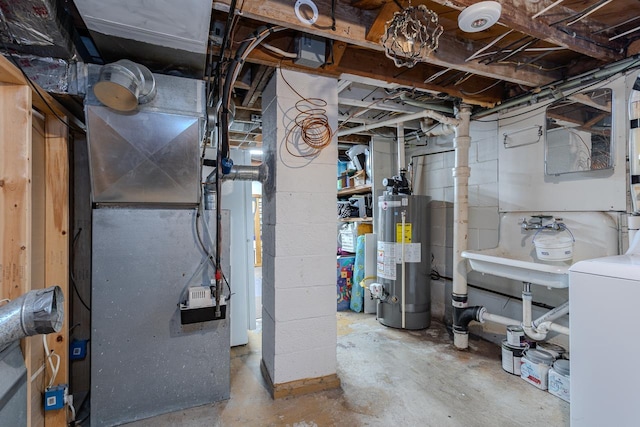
{"x": 506, "y": 321}
{"x": 461, "y": 172}
{"x": 552, "y": 315}
{"x": 554, "y": 327}
{"x": 400, "y": 119}
{"x": 495, "y": 318}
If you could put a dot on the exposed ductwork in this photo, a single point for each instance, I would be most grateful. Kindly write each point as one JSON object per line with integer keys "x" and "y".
{"x": 40, "y": 311}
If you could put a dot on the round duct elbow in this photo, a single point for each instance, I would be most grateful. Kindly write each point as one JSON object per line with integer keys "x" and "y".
{"x": 123, "y": 85}
{"x": 479, "y": 16}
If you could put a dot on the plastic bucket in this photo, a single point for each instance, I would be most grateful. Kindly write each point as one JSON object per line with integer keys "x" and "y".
{"x": 554, "y": 248}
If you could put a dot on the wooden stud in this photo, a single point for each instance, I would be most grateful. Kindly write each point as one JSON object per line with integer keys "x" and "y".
{"x": 57, "y": 244}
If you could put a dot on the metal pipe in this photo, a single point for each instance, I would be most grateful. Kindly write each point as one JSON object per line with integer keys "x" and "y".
{"x": 40, "y": 311}
{"x": 247, "y": 173}
{"x": 461, "y": 172}
{"x": 237, "y": 173}
{"x": 567, "y": 84}
{"x": 429, "y": 106}
{"x": 400, "y": 119}
{"x": 552, "y": 315}
{"x": 400, "y": 147}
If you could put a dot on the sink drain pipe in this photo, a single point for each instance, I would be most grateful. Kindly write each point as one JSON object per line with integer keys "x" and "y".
{"x": 462, "y": 313}
{"x": 40, "y": 311}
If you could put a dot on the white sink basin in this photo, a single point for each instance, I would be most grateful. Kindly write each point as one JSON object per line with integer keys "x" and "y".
{"x": 498, "y": 262}
{"x": 515, "y": 258}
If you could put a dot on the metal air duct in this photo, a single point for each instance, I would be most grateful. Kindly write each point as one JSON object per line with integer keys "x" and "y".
{"x": 40, "y": 311}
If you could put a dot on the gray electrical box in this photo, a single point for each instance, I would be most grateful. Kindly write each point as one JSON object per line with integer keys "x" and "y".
{"x": 310, "y": 50}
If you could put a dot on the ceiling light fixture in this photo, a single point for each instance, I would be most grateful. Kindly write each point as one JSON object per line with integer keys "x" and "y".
{"x": 479, "y": 16}
{"x": 411, "y": 36}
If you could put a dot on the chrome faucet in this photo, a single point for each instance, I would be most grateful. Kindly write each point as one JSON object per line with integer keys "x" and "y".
{"x": 557, "y": 224}
{"x": 536, "y": 222}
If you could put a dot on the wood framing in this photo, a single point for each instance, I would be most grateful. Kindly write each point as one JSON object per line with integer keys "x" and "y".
{"x": 514, "y": 16}
{"x": 34, "y": 220}
{"x": 57, "y": 243}
{"x": 352, "y": 27}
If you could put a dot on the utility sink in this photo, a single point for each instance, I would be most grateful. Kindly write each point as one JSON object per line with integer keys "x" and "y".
{"x": 595, "y": 233}
{"x": 499, "y": 262}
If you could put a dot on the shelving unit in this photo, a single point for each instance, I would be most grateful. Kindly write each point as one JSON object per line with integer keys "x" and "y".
{"x": 360, "y": 189}
{"x": 357, "y": 219}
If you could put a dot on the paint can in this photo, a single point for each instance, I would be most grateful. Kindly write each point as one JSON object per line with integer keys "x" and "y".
{"x": 557, "y": 351}
{"x": 534, "y": 368}
{"x": 559, "y": 380}
{"x": 515, "y": 336}
{"x": 511, "y": 357}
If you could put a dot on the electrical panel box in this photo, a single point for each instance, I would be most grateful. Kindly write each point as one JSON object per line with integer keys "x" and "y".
{"x": 310, "y": 50}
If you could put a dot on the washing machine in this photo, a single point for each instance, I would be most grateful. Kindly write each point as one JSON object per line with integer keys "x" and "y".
{"x": 604, "y": 294}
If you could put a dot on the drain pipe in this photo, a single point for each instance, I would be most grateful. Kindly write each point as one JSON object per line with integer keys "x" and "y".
{"x": 462, "y": 313}
{"x": 400, "y": 119}
{"x": 544, "y": 327}
{"x": 40, "y": 311}
{"x": 552, "y": 315}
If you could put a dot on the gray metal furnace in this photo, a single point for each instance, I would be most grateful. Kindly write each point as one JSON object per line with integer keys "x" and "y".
{"x": 404, "y": 261}
{"x": 13, "y": 386}
{"x": 144, "y": 361}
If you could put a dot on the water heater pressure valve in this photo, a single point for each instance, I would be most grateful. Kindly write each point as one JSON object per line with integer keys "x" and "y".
{"x": 377, "y": 291}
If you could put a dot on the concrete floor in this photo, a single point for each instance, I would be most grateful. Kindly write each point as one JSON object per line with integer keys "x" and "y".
{"x": 389, "y": 377}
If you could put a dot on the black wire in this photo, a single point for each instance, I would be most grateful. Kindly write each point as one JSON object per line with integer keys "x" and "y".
{"x": 210, "y": 256}
{"x": 73, "y": 279}
{"x": 333, "y": 15}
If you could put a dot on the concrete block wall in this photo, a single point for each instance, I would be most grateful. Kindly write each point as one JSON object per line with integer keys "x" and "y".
{"x": 436, "y": 180}
{"x": 299, "y": 238}
{"x": 433, "y": 177}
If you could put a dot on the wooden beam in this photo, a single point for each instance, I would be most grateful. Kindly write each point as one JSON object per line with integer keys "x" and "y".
{"x": 352, "y": 27}
{"x": 339, "y": 48}
{"x": 368, "y": 4}
{"x": 516, "y": 14}
{"x": 384, "y": 15}
{"x": 9, "y": 73}
{"x": 258, "y": 82}
{"x": 57, "y": 244}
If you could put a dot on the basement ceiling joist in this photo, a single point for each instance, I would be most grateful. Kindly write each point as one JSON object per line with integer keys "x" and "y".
{"x": 517, "y": 15}
{"x": 352, "y": 26}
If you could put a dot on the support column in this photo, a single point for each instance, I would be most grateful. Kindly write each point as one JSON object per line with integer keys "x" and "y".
{"x": 299, "y": 244}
